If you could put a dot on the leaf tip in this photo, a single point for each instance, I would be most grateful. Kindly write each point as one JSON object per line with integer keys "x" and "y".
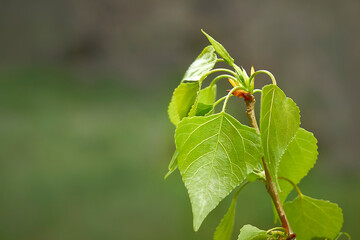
{"x": 196, "y": 225}
{"x": 207, "y": 36}
{"x": 198, "y": 218}
{"x": 167, "y": 175}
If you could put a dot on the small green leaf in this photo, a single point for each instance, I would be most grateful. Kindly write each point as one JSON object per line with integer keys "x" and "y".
{"x": 172, "y": 165}
{"x": 215, "y": 155}
{"x": 249, "y": 232}
{"x": 203, "y": 63}
{"x": 220, "y": 49}
{"x": 203, "y": 109}
{"x": 226, "y": 226}
{"x": 279, "y": 122}
{"x": 312, "y": 218}
{"x": 204, "y": 102}
{"x": 297, "y": 160}
{"x": 182, "y": 100}
{"x": 207, "y": 95}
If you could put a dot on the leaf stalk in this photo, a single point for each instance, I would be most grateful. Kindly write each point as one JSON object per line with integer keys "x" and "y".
{"x": 215, "y": 71}
{"x": 214, "y": 81}
{"x": 228, "y": 96}
{"x": 263, "y": 71}
{"x": 242, "y": 185}
{"x": 294, "y": 185}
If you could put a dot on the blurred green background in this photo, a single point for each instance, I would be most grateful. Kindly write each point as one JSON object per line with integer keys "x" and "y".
{"x": 84, "y": 88}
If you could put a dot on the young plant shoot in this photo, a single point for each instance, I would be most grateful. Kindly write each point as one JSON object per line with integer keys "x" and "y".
{"x": 217, "y": 154}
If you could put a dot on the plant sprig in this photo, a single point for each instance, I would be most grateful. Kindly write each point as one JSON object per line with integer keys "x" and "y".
{"x": 215, "y": 153}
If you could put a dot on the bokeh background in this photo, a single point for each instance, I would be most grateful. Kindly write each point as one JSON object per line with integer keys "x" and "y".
{"x": 84, "y": 88}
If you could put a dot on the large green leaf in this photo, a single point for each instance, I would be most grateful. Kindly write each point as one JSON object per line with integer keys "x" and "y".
{"x": 203, "y": 63}
{"x": 299, "y": 157}
{"x": 313, "y": 218}
{"x": 215, "y": 155}
{"x": 220, "y": 49}
{"x": 204, "y": 102}
{"x": 279, "y": 122}
{"x": 182, "y": 100}
{"x": 249, "y": 232}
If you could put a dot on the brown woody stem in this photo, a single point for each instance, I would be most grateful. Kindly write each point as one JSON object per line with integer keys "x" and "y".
{"x": 270, "y": 186}
{"x": 250, "y": 105}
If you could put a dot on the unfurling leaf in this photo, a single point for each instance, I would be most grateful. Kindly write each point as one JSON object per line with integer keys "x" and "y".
{"x": 249, "y": 232}
{"x": 220, "y": 49}
{"x": 312, "y": 218}
{"x": 182, "y": 100}
{"x": 215, "y": 155}
{"x": 202, "y": 64}
{"x": 279, "y": 122}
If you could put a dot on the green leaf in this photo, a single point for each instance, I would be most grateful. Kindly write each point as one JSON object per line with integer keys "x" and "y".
{"x": 215, "y": 155}
{"x": 182, "y": 100}
{"x": 203, "y": 63}
{"x": 279, "y": 122}
{"x": 204, "y": 102}
{"x": 292, "y": 153}
{"x": 299, "y": 157}
{"x": 203, "y": 109}
{"x": 313, "y": 218}
{"x": 249, "y": 232}
{"x": 220, "y": 49}
{"x": 226, "y": 226}
{"x": 172, "y": 165}
{"x": 207, "y": 95}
